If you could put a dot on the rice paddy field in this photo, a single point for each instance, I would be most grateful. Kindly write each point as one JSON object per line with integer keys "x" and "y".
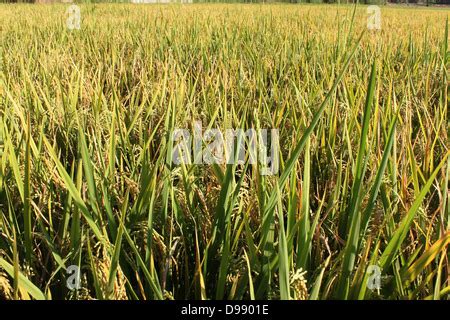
{"x": 89, "y": 194}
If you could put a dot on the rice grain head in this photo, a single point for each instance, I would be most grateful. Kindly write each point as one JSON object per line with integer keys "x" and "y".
{"x": 6, "y": 291}
{"x": 103, "y": 267}
{"x": 298, "y": 283}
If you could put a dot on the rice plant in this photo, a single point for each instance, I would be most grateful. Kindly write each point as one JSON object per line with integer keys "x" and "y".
{"x": 87, "y": 181}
